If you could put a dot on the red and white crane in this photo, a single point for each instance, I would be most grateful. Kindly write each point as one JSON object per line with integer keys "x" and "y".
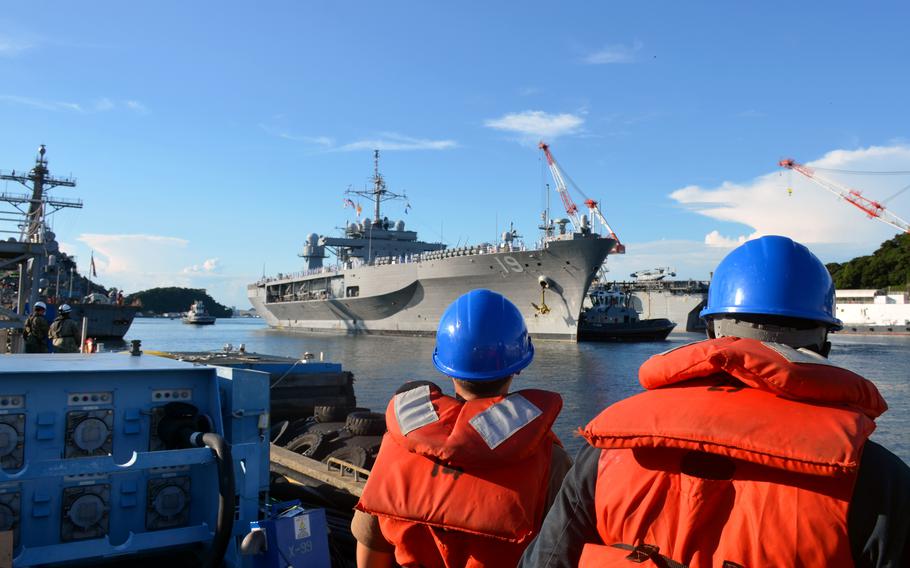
{"x": 569, "y": 204}
{"x": 872, "y": 208}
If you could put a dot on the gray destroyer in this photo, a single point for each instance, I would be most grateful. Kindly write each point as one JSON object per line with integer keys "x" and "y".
{"x": 33, "y": 268}
{"x": 386, "y": 281}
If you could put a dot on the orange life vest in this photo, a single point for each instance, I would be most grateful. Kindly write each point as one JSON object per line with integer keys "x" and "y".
{"x": 740, "y": 453}
{"x": 462, "y": 483}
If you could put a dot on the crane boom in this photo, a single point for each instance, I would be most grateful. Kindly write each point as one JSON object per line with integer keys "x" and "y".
{"x": 873, "y": 209}
{"x": 571, "y": 208}
{"x": 569, "y": 204}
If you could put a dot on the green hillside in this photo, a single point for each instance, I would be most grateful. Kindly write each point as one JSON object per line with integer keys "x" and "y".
{"x": 889, "y": 266}
{"x": 161, "y": 300}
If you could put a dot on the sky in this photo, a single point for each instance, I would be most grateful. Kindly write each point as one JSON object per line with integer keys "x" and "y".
{"x": 209, "y": 138}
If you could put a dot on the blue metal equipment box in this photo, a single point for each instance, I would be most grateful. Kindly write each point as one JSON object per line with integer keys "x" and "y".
{"x": 295, "y": 537}
{"x": 87, "y": 474}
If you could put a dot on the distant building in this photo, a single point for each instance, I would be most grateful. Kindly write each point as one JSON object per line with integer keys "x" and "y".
{"x": 873, "y": 307}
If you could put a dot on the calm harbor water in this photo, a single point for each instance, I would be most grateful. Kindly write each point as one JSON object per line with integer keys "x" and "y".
{"x": 588, "y": 376}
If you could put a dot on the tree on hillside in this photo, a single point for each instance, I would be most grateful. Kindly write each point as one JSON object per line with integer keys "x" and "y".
{"x": 161, "y": 300}
{"x": 887, "y": 266}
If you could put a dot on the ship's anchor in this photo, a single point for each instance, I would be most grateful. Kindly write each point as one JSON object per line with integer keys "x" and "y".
{"x": 543, "y": 308}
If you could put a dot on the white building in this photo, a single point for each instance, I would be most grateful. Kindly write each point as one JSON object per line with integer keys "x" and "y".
{"x": 873, "y": 308}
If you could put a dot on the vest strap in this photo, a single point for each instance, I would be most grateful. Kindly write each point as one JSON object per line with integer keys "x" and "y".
{"x": 644, "y": 552}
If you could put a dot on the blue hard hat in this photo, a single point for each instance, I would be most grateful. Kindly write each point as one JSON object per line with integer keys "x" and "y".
{"x": 773, "y": 276}
{"x": 482, "y": 336}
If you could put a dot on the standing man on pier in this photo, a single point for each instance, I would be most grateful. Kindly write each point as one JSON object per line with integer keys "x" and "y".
{"x": 747, "y": 449}
{"x": 64, "y": 331}
{"x": 464, "y": 480}
{"x": 36, "y": 330}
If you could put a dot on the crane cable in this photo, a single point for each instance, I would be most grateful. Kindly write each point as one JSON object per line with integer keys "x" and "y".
{"x": 905, "y": 188}
{"x": 862, "y": 172}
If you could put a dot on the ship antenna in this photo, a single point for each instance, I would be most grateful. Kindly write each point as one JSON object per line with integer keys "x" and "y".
{"x": 379, "y": 193}
{"x": 378, "y": 186}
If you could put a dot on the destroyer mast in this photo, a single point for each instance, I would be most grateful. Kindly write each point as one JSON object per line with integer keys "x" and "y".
{"x": 33, "y": 244}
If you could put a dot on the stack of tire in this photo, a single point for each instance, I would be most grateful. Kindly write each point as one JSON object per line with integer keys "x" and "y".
{"x": 347, "y": 433}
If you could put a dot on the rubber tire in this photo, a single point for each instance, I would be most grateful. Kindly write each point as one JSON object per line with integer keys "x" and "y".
{"x": 352, "y": 454}
{"x": 365, "y": 423}
{"x": 369, "y": 443}
{"x": 309, "y": 444}
{"x": 325, "y": 427}
{"x": 324, "y": 414}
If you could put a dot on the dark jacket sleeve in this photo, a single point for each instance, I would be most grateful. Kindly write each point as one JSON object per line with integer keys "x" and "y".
{"x": 571, "y": 521}
{"x": 879, "y": 518}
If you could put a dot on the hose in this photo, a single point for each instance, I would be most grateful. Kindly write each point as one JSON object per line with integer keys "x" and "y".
{"x": 225, "y": 523}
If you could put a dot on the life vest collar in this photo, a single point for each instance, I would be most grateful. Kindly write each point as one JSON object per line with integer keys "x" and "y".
{"x": 796, "y": 374}
{"x": 743, "y": 399}
{"x": 425, "y": 421}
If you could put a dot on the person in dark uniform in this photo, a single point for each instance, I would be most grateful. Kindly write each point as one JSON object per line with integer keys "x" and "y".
{"x": 64, "y": 332}
{"x": 36, "y": 330}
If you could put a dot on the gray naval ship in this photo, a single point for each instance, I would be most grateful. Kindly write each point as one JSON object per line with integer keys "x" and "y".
{"x": 386, "y": 281}
{"x": 33, "y": 268}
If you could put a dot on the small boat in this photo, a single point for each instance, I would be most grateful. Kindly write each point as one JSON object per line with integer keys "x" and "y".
{"x": 198, "y": 315}
{"x": 611, "y": 317}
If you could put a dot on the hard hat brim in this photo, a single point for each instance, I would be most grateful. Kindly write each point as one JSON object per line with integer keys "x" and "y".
{"x": 488, "y": 375}
{"x": 833, "y": 323}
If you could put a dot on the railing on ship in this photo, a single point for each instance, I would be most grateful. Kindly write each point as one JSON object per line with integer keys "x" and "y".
{"x": 402, "y": 259}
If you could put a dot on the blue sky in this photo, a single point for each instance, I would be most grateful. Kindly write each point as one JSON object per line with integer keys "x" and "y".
{"x": 209, "y": 138}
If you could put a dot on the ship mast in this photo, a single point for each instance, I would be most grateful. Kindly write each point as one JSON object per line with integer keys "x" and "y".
{"x": 379, "y": 193}
{"x": 28, "y": 221}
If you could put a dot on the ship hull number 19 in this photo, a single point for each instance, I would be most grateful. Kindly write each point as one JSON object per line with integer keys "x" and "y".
{"x": 509, "y": 264}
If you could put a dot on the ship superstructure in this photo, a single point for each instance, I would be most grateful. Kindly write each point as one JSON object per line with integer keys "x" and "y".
{"x": 679, "y": 301}
{"x": 387, "y": 281}
{"x": 34, "y": 266}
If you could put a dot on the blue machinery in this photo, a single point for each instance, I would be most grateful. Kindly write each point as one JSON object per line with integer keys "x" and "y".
{"x": 110, "y": 455}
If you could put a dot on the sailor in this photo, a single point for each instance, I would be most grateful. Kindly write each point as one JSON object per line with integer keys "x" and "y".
{"x": 64, "y": 331}
{"x": 36, "y": 330}
{"x": 464, "y": 480}
{"x": 747, "y": 449}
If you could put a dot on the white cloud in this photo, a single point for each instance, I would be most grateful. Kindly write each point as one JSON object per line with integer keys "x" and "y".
{"x": 209, "y": 266}
{"x": 395, "y": 141}
{"x": 103, "y": 104}
{"x": 41, "y": 104}
{"x": 134, "y": 255}
{"x": 536, "y": 124}
{"x": 689, "y": 259}
{"x": 811, "y": 214}
{"x": 323, "y": 141}
{"x": 136, "y": 106}
{"x": 135, "y": 262}
{"x": 614, "y": 54}
{"x": 384, "y": 141}
{"x": 715, "y": 239}
{"x": 12, "y": 46}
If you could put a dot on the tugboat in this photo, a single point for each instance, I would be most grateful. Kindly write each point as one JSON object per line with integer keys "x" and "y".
{"x": 198, "y": 315}
{"x": 612, "y": 318}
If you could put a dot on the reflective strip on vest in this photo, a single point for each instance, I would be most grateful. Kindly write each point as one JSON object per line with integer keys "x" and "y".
{"x": 413, "y": 409}
{"x": 801, "y": 355}
{"x": 683, "y": 346}
{"x": 499, "y": 422}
